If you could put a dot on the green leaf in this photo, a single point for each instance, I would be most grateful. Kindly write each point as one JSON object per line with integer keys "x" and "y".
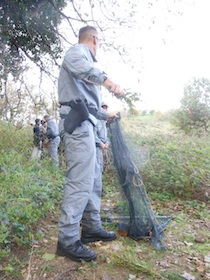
{"x": 48, "y": 257}
{"x": 8, "y": 268}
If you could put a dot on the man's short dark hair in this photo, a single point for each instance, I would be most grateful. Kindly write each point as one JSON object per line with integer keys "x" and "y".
{"x": 84, "y": 31}
{"x": 37, "y": 120}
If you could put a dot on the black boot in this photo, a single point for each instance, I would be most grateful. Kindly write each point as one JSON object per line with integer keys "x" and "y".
{"x": 101, "y": 235}
{"x": 76, "y": 252}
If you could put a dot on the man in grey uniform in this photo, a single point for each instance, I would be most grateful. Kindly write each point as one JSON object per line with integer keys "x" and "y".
{"x": 80, "y": 99}
{"x": 102, "y": 143}
{"x": 102, "y": 140}
{"x": 53, "y": 137}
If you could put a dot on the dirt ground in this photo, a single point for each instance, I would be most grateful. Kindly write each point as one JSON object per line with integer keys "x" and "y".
{"x": 187, "y": 257}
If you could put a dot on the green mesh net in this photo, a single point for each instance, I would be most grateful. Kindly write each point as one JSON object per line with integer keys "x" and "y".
{"x": 135, "y": 215}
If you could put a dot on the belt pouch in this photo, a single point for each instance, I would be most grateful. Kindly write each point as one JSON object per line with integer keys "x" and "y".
{"x": 78, "y": 114}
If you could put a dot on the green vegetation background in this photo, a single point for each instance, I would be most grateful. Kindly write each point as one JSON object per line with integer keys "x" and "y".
{"x": 176, "y": 168}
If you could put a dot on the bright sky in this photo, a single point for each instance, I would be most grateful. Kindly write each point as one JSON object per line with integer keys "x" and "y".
{"x": 172, "y": 58}
{"x": 164, "y": 60}
{"x": 185, "y": 55}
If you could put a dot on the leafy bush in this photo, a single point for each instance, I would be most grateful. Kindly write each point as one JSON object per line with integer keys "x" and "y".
{"x": 178, "y": 167}
{"x": 13, "y": 139}
{"x": 29, "y": 189}
{"x": 172, "y": 164}
{"x": 193, "y": 117}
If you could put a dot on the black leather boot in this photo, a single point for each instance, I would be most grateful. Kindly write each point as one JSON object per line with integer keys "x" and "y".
{"x": 76, "y": 252}
{"x": 101, "y": 235}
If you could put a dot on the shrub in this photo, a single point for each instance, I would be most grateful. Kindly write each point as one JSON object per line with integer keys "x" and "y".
{"x": 193, "y": 117}
{"x": 29, "y": 189}
{"x": 178, "y": 166}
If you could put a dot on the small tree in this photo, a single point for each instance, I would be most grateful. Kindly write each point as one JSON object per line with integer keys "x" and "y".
{"x": 22, "y": 103}
{"x": 194, "y": 113}
{"x": 39, "y": 31}
{"x": 129, "y": 100}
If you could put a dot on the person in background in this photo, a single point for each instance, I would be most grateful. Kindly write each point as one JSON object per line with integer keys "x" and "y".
{"x": 102, "y": 144}
{"x": 80, "y": 98}
{"x": 53, "y": 136}
{"x": 43, "y": 129}
{"x": 37, "y": 151}
{"x": 101, "y": 129}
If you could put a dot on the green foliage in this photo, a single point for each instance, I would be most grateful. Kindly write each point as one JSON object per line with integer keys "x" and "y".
{"x": 193, "y": 117}
{"x": 28, "y": 28}
{"x": 130, "y": 259}
{"x": 129, "y": 99}
{"x": 178, "y": 167}
{"x": 29, "y": 189}
{"x": 27, "y": 185}
{"x": 172, "y": 275}
{"x": 172, "y": 164}
{"x": 11, "y": 138}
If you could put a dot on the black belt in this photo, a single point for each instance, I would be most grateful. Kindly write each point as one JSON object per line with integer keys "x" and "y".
{"x": 71, "y": 104}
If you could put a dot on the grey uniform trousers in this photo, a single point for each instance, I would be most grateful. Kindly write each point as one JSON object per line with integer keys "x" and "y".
{"x": 53, "y": 149}
{"x": 81, "y": 199}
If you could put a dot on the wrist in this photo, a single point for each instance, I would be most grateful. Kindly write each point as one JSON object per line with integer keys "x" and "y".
{"x": 105, "y": 81}
{"x": 107, "y": 84}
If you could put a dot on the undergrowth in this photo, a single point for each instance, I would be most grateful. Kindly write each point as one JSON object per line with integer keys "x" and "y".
{"x": 177, "y": 165}
{"x": 29, "y": 189}
{"x": 177, "y": 168}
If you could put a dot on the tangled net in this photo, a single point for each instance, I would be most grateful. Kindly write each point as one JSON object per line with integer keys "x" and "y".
{"x": 138, "y": 220}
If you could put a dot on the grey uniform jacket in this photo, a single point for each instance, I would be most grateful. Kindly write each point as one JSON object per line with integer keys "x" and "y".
{"x": 101, "y": 132}
{"x": 79, "y": 79}
{"x": 52, "y": 129}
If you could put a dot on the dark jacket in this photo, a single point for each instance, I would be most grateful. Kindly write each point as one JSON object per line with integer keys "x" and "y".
{"x": 37, "y": 135}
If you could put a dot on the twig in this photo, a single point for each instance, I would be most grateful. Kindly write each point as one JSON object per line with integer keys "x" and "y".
{"x": 29, "y": 264}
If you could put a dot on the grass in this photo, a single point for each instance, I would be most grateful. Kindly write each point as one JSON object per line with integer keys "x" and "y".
{"x": 131, "y": 260}
{"x": 29, "y": 190}
{"x": 171, "y": 163}
{"x": 32, "y": 191}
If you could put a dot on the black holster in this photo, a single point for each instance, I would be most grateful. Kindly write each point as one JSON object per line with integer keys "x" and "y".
{"x": 78, "y": 114}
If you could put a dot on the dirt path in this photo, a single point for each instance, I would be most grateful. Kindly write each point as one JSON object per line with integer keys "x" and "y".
{"x": 187, "y": 257}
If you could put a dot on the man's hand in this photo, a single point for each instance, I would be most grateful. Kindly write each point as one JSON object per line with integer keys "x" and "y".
{"x": 113, "y": 88}
{"x": 104, "y": 146}
{"x": 113, "y": 115}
